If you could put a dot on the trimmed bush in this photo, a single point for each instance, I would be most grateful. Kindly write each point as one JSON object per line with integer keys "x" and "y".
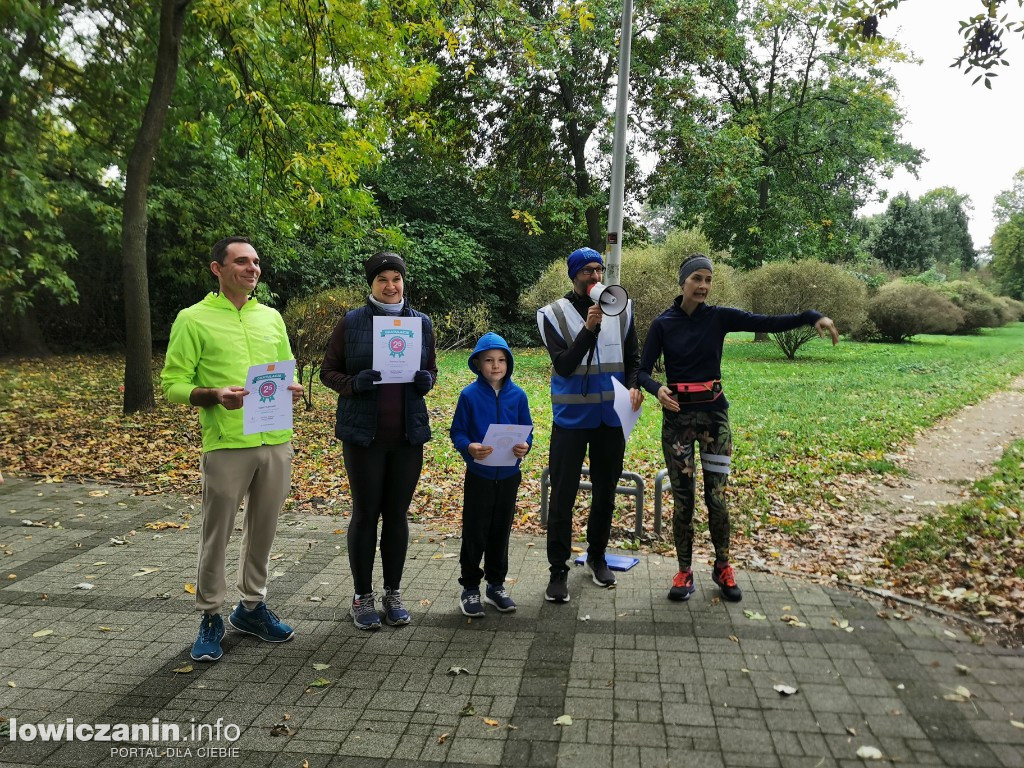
{"x": 310, "y": 322}
{"x": 979, "y": 307}
{"x": 650, "y": 275}
{"x": 1011, "y": 309}
{"x": 785, "y": 288}
{"x": 902, "y": 310}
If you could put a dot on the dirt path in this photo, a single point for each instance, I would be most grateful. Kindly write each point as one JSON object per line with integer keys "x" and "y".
{"x": 945, "y": 459}
{"x": 940, "y": 467}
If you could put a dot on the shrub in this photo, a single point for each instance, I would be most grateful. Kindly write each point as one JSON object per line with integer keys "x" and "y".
{"x": 979, "y": 307}
{"x": 461, "y": 327}
{"x": 784, "y": 288}
{"x": 310, "y": 322}
{"x": 650, "y": 274}
{"x": 1011, "y": 309}
{"x": 902, "y": 310}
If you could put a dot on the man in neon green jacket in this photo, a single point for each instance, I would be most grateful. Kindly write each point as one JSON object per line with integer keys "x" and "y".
{"x": 212, "y": 345}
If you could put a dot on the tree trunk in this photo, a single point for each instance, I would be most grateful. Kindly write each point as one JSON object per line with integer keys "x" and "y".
{"x": 138, "y": 374}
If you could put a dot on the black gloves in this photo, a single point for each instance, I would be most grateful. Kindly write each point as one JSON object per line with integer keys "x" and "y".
{"x": 423, "y": 382}
{"x": 362, "y": 382}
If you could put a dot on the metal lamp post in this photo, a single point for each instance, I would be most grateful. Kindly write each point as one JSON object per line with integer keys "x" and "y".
{"x": 613, "y": 262}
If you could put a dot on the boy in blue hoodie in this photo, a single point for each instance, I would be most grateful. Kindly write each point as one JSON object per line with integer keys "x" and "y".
{"x": 489, "y": 493}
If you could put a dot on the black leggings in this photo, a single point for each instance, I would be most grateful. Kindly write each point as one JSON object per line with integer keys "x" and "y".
{"x": 382, "y": 479}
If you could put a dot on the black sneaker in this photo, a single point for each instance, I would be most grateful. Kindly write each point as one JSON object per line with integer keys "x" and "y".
{"x": 601, "y": 573}
{"x": 558, "y": 588}
{"x": 723, "y": 576}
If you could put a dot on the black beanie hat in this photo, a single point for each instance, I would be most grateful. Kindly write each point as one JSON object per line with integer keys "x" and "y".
{"x": 381, "y": 261}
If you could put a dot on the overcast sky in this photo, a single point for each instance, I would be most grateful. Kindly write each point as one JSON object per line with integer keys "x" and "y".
{"x": 971, "y": 136}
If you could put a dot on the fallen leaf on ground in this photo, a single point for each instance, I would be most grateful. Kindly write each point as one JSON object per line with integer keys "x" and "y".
{"x": 869, "y": 753}
{"x": 145, "y": 571}
{"x": 182, "y": 670}
{"x": 280, "y": 729}
{"x": 467, "y": 711}
{"x": 162, "y": 525}
{"x": 320, "y": 682}
{"x": 755, "y": 615}
{"x": 491, "y": 721}
{"x": 320, "y": 667}
{"x": 442, "y": 738}
{"x": 784, "y": 690}
{"x": 424, "y": 603}
{"x": 455, "y": 671}
{"x": 1017, "y": 724}
{"x": 190, "y": 588}
{"x": 793, "y": 621}
{"x": 962, "y": 669}
{"x": 563, "y": 720}
{"x": 85, "y": 586}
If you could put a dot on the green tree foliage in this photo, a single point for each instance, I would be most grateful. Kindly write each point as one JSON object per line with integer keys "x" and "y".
{"x": 905, "y": 240}
{"x": 950, "y": 217}
{"x": 1008, "y": 239}
{"x": 786, "y": 288}
{"x": 901, "y": 310}
{"x": 768, "y": 137}
{"x": 523, "y": 100}
{"x": 34, "y": 253}
{"x": 1008, "y": 255}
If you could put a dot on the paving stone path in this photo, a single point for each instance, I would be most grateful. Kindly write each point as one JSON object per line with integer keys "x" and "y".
{"x": 646, "y": 682}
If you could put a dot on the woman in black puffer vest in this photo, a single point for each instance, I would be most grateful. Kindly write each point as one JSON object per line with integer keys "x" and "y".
{"x": 382, "y": 428}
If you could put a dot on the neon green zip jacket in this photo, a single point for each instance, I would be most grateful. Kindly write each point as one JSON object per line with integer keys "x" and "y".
{"x": 213, "y": 344}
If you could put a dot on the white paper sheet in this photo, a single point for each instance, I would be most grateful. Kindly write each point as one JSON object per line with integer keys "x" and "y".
{"x": 502, "y": 437}
{"x": 397, "y": 342}
{"x": 624, "y": 409}
{"x": 268, "y": 406}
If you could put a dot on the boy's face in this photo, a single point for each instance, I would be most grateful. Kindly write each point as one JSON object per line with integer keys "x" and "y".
{"x": 493, "y": 365}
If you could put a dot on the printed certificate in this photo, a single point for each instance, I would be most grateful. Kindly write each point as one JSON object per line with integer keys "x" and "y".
{"x": 502, "y": 437}
{"x": 268, "y": 406}
{"x": 397, "y": 342}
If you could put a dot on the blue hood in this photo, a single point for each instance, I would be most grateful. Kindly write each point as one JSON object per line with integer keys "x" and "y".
{"x": 487, "y": 342}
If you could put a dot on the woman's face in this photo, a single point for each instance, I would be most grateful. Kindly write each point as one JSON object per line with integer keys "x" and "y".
{"x": 387, "y": 287}
{"x": 696, "y": 287}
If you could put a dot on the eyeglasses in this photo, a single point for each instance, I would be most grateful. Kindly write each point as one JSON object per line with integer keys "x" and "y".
{"x": 590, "y": 271}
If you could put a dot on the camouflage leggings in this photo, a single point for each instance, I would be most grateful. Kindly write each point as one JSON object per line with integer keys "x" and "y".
{"x": 679, "y": 432}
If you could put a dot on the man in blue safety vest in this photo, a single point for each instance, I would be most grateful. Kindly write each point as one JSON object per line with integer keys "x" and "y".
{"x": 588, "y": 350}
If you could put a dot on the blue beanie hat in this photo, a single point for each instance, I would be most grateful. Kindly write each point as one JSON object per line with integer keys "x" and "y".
{"x": 579, "y": 258}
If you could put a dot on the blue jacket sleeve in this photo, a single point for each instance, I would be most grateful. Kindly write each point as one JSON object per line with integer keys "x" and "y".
{"x": 461, "y": 423}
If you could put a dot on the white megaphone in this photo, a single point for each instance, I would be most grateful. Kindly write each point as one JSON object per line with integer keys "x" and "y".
{"x": 610, "y": 298}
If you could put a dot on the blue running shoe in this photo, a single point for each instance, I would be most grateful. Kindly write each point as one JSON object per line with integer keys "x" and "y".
{"x": 261, "y": 622}
{"x": 364, "y": 612}
{"x": 207, "y": 644}
{"x": 394, "y": 612}
{"x": 497, "y": 596}
{"x": 470, "y": 605}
